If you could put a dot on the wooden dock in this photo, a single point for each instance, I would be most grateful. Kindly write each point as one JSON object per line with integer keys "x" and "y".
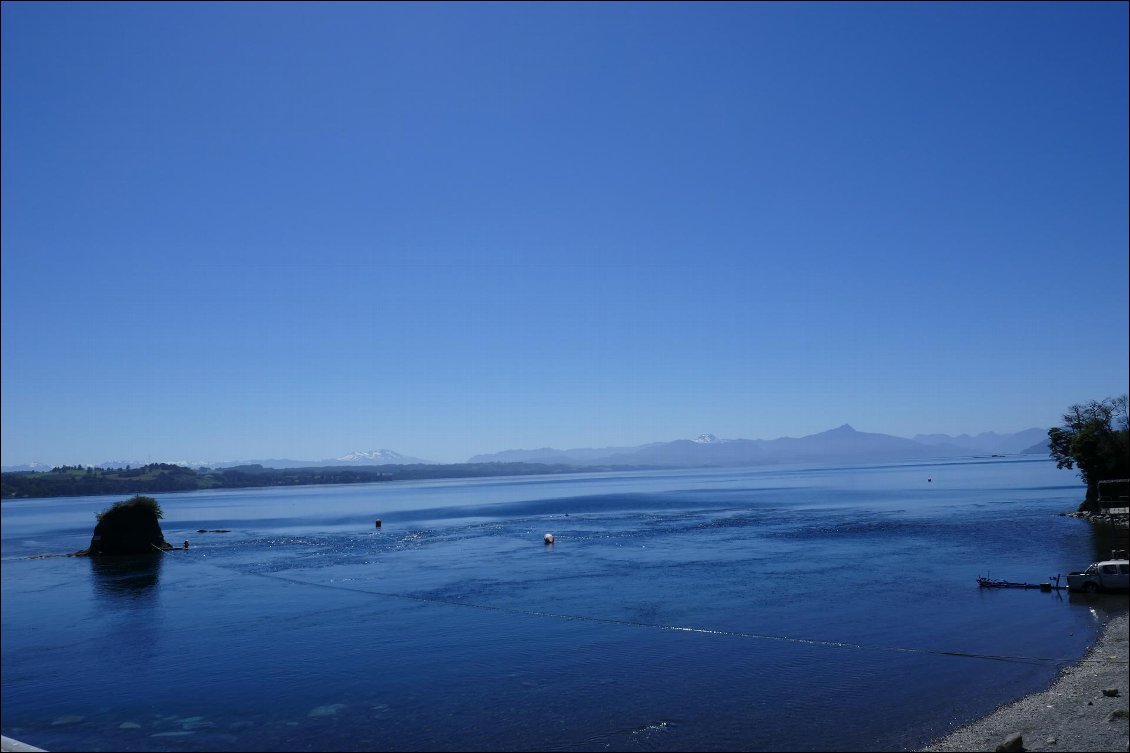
{"x": 985, "y": 582}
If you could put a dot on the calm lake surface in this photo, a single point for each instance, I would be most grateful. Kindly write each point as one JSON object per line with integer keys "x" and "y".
{"x": 752, "y": 609}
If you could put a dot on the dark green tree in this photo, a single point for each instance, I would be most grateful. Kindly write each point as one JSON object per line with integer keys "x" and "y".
{"x": 1094, "y": 436}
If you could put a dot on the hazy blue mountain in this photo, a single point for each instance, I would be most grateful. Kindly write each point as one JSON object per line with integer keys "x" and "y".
{"x": 367, "y": 457}
{"x": 989, "y": 442}
{"x": 578, "y": 456}
{"x": 842, "y": 444}
{"x": 1040, "y": 448}
{"x": 271, "y": 463}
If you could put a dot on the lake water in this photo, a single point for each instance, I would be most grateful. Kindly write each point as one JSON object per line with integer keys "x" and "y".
{"x": 748, "y": 609}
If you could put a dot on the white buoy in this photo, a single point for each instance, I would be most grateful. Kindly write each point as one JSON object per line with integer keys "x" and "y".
{"x": 549, "y": 538}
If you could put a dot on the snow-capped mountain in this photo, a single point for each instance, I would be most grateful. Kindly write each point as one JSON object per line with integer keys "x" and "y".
{"x": 361, "y": 457}
{"x": 707, "y": 439}
{"x": 26, "y": 467}
{"x": 379, "y": 457}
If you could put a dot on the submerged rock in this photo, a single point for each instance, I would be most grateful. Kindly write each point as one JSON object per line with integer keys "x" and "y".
{"x": 328, "y": 710}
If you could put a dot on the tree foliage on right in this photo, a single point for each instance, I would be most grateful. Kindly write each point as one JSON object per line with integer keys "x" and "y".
{"x": 1095, "y": 438}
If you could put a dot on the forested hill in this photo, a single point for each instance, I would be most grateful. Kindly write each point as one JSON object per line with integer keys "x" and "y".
{"x": 79, "y": 481}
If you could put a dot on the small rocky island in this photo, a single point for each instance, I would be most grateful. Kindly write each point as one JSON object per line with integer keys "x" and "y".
{"x": 128, "y": 527}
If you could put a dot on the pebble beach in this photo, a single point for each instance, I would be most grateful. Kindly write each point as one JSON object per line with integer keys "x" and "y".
{"x": 1074, "y": 714}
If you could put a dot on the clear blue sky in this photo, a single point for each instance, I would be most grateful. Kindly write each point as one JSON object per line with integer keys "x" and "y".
{"x": 245, "y": 231}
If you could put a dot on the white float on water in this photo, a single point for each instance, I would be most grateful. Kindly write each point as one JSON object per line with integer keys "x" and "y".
{"x": 549, "y": 538}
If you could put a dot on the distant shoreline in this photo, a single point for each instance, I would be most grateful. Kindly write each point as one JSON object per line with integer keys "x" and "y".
{"x": 166, "y": 478}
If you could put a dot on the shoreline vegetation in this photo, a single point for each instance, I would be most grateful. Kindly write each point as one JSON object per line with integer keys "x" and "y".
{"x": 157, "y": 478}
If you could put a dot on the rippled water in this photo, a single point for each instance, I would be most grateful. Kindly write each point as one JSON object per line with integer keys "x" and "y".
{"x": 781, "y": 609}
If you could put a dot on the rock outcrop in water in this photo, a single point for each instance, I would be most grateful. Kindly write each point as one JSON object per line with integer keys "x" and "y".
{"x": 129, "y": 527}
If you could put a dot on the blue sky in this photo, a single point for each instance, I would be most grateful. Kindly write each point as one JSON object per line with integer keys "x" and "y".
{"x": 239, "y": 231}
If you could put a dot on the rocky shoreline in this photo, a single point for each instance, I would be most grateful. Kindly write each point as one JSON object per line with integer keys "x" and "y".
{"x": 1114, "y": 517}
{"x": 1085, "y": 709}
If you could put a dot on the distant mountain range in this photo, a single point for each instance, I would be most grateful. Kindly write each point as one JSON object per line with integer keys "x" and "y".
{"x": 840, "y": 445}
{"x": 360, "y": 458}
{"x": 26, "y": 467}
{"x": 366, "y": 457}
{"x": 1022, "y": 442}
